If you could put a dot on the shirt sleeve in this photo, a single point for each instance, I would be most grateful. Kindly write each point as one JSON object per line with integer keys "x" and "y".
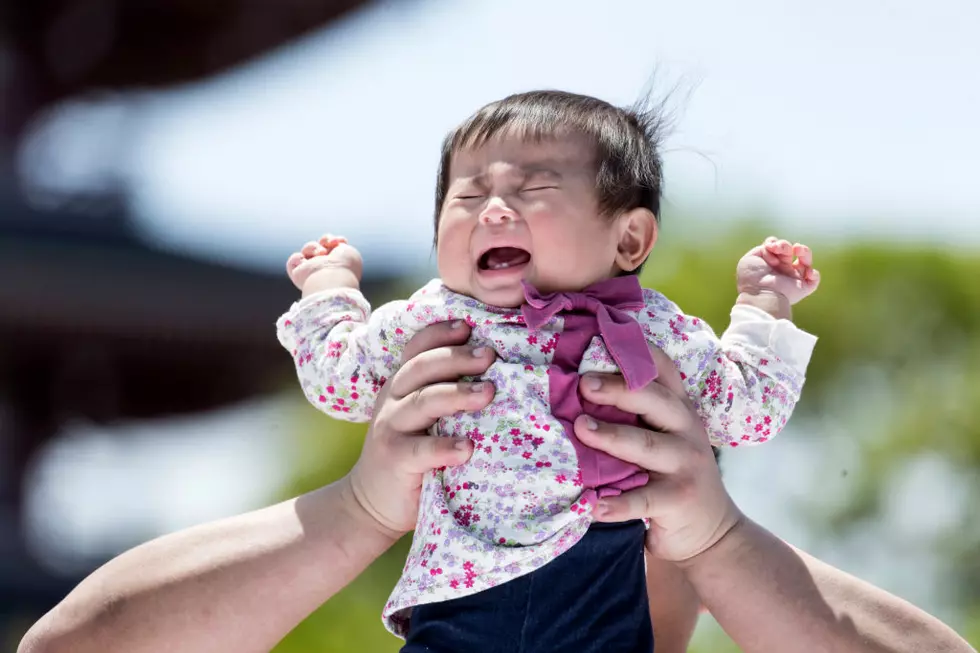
{"x": 339, "y": 348}
{"x": 745, "y": 384}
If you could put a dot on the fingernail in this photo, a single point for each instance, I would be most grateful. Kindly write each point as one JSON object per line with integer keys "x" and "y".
{"x": 461, "y": 444}
{"x": 476, "y": 387}
{"x": 479, "y": 352}
{"x": 593, "y": 382}
{"x": 591, "y": 424}
{"x": 456, "y": 324}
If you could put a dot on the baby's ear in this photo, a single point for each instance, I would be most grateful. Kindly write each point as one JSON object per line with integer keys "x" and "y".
{"x": 637, "y": 236}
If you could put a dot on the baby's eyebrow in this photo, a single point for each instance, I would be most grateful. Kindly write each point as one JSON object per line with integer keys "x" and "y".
{"x": 547, "y": 169}
{"x": 524, "y": 170}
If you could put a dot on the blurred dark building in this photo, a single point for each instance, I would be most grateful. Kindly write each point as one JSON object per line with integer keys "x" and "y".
{"x": 95, "y": 322}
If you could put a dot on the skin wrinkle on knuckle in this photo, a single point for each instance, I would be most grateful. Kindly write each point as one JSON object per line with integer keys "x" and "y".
{"x": 648, "y": 445}
{"x": 646, "y": 503}
{"x": 417, "y": 399}
{"x": 398, "y": 381}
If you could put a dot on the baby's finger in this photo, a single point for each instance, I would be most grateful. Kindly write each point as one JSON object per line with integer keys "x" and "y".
{"x": 803, "y": 254}
{"x": 771, "y": 259}
{"x": 811, "y": 281}
{"x": 312, "y": 249}
{"x": 330, "y": 241}
{"x": 800, "y": 269}
{"x": 294, "y": 261}
{"x": 779, "y": 247}
{"x": 785, "y": 251}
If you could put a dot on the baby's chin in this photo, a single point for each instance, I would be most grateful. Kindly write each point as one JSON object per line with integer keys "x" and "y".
{"x": 509, "y": 297}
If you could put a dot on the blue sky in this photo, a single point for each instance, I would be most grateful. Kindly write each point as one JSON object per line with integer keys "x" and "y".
{"x": 836, "y": 117}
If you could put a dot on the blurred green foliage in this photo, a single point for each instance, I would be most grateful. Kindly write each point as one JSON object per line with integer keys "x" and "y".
{"x": 906, "y": 317}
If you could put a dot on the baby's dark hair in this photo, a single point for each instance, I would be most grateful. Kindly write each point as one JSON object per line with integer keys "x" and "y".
{"x": 627, "y": 141}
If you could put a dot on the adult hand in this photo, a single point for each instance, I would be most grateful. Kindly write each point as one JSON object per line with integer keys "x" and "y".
{"x": 688, "y": 506}
{"x": 387, "y": 479}
{"x": 765, "y": 594}
{"x": 162, "y": 595}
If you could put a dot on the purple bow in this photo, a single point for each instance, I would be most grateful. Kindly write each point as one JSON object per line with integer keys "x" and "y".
{"x": 608, "y": 300}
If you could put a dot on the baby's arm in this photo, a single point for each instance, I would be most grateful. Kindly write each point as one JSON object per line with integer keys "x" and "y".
{"x": 746, "y": 384}
{"x": 338, "y": 346}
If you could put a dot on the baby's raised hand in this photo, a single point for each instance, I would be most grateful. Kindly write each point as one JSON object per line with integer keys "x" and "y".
{"x": 330, "y": 252}
{"x": 778, "y": 266}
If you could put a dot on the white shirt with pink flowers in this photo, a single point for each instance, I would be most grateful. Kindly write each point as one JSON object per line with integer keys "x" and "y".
{"x": 521, "y": 500}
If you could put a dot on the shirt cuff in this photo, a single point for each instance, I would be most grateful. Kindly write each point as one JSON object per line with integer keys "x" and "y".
{"x": 756, "y": 329}
{"x": 351, "y": 296}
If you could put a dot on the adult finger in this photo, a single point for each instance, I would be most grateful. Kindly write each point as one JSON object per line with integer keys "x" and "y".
{"x": 441, "y": 334}
{"x": 418, "y": 454}
{"x": 441, "y": 365}
{"x": 435, "y": 355}
{"x": 639, "y": 503}
{"x": 656, "y": 404}
{"x": 662, "y": 453}
{"x": 421, "y": 408}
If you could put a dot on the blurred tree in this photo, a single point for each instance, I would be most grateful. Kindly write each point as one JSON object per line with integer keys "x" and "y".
{"x": 905, "y": 317}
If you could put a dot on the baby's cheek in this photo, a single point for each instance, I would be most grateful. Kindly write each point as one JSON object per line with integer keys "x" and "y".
{"x": 453, "y": 262}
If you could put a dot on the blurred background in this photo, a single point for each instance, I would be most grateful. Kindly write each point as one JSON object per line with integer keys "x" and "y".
{"x": 160, "y": 159}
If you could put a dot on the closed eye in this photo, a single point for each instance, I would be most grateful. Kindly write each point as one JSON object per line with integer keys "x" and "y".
{"x": 468, "y": 197}
{"x": 536, "y": 188}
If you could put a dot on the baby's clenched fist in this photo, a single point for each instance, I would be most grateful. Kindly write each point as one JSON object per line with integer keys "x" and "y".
{"x": 331, "y": 253}
{"x": 778, "y": 266}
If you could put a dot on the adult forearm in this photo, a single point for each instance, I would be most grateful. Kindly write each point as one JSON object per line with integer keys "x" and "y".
{"x": 769, "y": 596}
{"x": 239, "y": 584}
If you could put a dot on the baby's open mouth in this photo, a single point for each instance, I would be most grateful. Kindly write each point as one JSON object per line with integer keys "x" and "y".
{"x": 501, "y": 258}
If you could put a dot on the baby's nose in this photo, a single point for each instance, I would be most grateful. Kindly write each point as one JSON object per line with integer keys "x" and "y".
{"x": 497, "y": 212}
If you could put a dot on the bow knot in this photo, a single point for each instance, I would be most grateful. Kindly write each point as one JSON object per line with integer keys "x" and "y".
{"x": 608, "y": 301}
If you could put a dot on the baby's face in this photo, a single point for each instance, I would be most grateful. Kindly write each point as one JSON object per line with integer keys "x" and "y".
{"x": 522, "y": 210}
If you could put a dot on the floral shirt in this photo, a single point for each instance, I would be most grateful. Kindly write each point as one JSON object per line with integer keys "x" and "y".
{"x": 526, "y": 494}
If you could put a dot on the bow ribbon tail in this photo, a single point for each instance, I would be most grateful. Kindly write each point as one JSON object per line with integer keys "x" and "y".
{"x": 628, "y": 347}
{"x": 534, "y": 317}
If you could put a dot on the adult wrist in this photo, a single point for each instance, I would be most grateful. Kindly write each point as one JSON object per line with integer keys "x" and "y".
{"x": 724, "y": 551}
{"x": 361, "y": 519}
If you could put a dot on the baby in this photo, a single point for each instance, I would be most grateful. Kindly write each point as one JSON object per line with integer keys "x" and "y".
{"x": 547, "y": 206}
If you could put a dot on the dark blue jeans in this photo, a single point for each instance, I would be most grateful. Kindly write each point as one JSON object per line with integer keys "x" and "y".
{"x": 592, "y": 598}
